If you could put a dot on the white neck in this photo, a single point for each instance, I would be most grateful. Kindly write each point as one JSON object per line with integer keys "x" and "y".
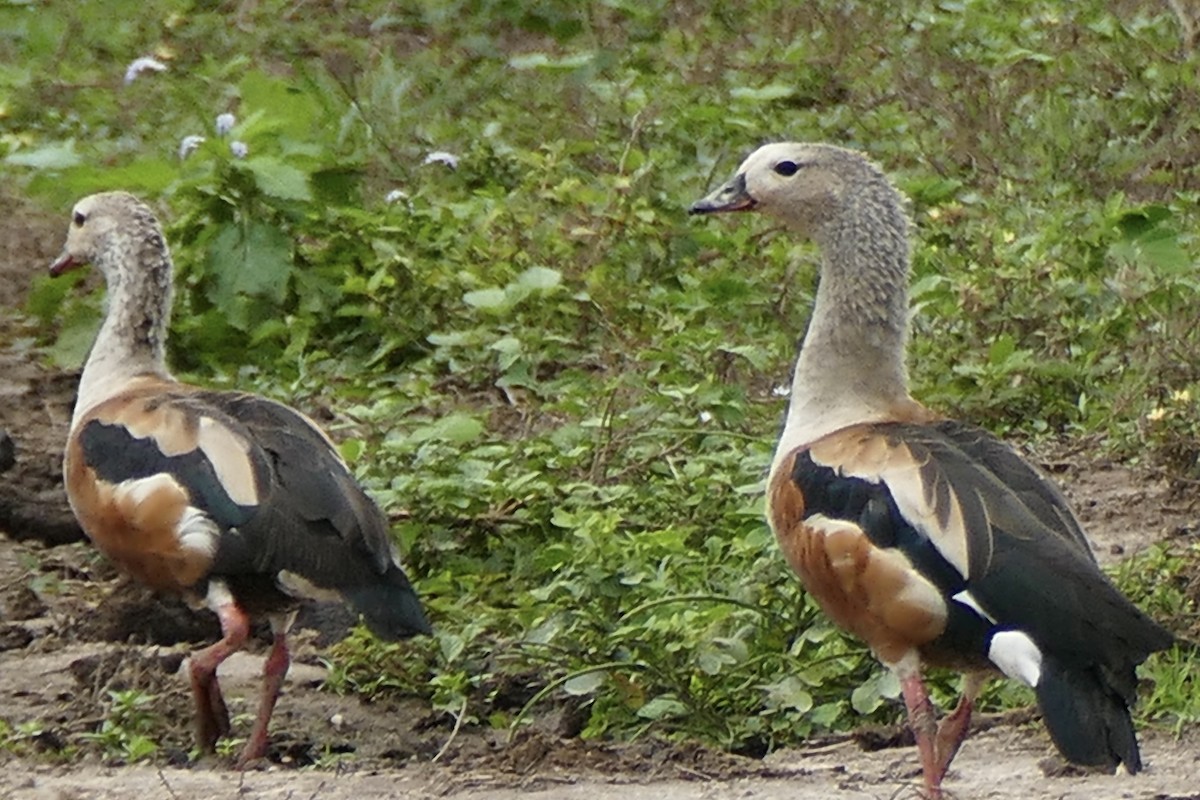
{"x": 131, "y": 341}
{"x": 851, "y": 366}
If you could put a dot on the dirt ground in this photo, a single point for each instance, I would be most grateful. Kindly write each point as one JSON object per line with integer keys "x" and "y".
{"x": 72, "y": 630}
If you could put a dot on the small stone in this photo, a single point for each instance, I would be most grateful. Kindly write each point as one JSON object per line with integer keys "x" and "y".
{"x": 14, "y": 637}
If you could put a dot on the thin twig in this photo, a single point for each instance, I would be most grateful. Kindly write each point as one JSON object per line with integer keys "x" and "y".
{"x": 163, "y": 780}
{"x": 458, "y": 719}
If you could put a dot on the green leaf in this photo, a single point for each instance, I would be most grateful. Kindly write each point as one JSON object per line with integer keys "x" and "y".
{"x": 278, "y": 179}
{"x": 662, "y": 707}
{"x": 253, "y": 259}
{"x": 587, "y": 683}
{"x": 762, "y": 94}
{"x": 539, "y": 278}
{"x": 543, "y": 61}
{"x": 487, "y": 299}
{"x": 51, "y": 156}
{"x": 455, "y": 428}
{"x": 351, "y": 449}
{"x": 869, "y": 695}
{"x": 790, "y": 693}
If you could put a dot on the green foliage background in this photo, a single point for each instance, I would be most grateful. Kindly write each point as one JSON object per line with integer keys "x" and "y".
{"x": 564, "y": 390}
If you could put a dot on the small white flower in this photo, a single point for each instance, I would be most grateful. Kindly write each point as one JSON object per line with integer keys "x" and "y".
{"x": 225, "y": 123}
{"x": 188, "y": 144}
{"x": 706, "y": 416}
{"x": 239, "y": 149}
{"x": 781, "y": 391}
{"x": 442, "y": 157}
{"x": 140, "y": 65}
{"x": 1156, "y": 414}
{"x": 395, "y": 196}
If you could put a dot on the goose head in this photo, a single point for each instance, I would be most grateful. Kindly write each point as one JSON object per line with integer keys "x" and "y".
{"x": 810, "y": 187}
{"x": 110, "y": 231}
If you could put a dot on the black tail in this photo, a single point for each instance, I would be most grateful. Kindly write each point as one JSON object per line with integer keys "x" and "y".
{"x": 1088, "y": 718}
{"x": 390, "y": 606}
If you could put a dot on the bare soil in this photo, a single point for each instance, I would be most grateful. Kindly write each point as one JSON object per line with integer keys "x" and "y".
{"x": 72, "y": 631}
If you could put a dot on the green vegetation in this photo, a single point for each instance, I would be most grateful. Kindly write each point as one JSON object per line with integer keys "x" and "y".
{"x": 560, "y": 387}
{"x": 125, "y": 733}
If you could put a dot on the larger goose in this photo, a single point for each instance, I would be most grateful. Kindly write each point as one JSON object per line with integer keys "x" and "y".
{"x": 929, "y": 539}
{"x": 224, "y": 496}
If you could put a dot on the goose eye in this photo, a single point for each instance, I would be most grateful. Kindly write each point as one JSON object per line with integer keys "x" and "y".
{"x": 79, "y": 219}
{"x": 786, "y": 168}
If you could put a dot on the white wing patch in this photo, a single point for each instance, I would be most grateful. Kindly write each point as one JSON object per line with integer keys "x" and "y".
{"x": 967, "y": 599}
{"x": 1017, "y": 656}
{"x": 229, "y": 455}
{"x": 870, "y": 457}
{"x": 917, "y": 503}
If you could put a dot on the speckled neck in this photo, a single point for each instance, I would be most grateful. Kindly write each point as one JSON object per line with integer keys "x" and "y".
{"x": 851, "y": 367}
{"x": 132, "y": 339}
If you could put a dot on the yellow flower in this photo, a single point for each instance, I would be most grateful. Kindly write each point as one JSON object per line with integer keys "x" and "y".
{"x": 1156, "y": 414}
{"x": 1181, "y": 396}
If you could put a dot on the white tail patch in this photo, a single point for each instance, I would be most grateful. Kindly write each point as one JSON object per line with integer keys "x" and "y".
{"x": 1017, "y": 656}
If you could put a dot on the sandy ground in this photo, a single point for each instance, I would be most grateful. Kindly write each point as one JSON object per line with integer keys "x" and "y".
{"x": 998, "y": 764}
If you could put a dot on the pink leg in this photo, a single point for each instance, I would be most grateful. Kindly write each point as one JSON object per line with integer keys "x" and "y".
{"x": 921, "y": 720}
{"x": 952, "y": 732}
{"x": 274, "y": 671}
{"x": 212, "y": 717}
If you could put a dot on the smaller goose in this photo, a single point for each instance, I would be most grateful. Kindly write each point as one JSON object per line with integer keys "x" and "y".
{"x": 929, "y": 539}
{"x": 221, "y": 496}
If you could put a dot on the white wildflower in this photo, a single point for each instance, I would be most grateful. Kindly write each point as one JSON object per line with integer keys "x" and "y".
{"x": 706, "y": 416}
{"x": 442, "y": 157}
{"x": 239, "y": 149}
{"x": 1181, "y": 396}
{"x": 1156, "y": 414}
{"x": 188, "y": 144}
{"x": 225, "y": 123}
{"x": 781, "y": 391}
{"x": 395, "y": 196}
{"x": 140, "y": 65}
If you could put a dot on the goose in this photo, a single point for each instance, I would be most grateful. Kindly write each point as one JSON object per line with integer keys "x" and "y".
{"x": 227, "y": 498}
{"x": 927, "y": 538}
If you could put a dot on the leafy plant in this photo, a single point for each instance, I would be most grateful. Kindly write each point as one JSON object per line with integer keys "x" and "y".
{"x": 125, "y": 732}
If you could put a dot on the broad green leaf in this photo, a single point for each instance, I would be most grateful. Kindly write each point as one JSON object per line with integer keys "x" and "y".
{"x": 587, "y": 683}
{"x": 662, "y": 707}
{"x": 539, "y": 278}
{"x": 49, "y": 156}
{"x": 487, "y": 299}
{"x": 254, "y": 259}
{"x": 790, "y": 693}
{"x": 456, "y": 428}
{"x": 279, "y": 179}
